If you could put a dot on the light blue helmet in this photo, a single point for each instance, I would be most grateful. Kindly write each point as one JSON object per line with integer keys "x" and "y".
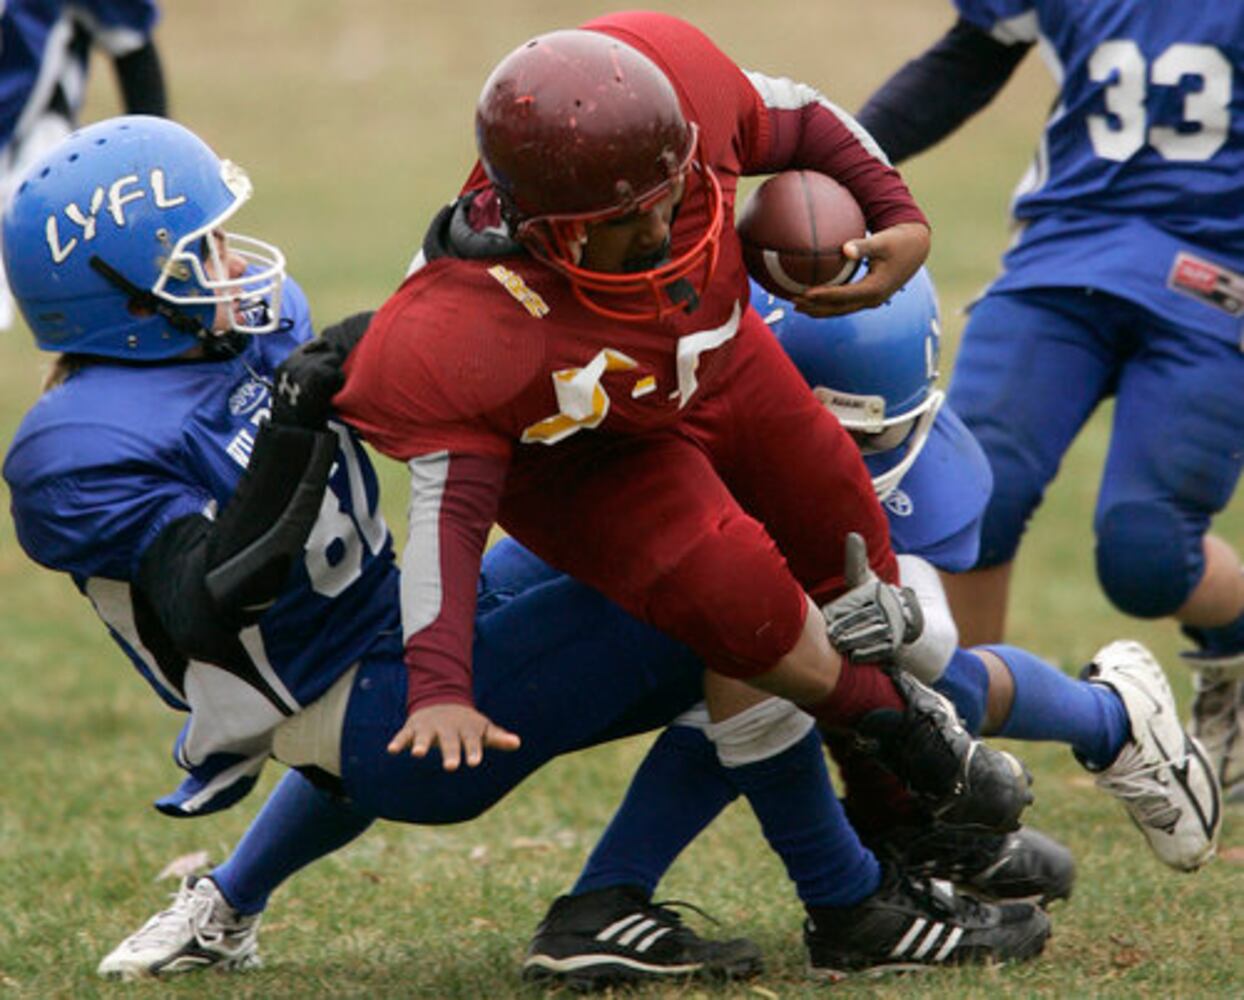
{"x": 114, "y": 246}
{"x": 874, "y": 369}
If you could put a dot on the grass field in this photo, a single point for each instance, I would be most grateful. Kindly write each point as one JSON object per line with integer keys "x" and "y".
{"x": 354, "y": 120}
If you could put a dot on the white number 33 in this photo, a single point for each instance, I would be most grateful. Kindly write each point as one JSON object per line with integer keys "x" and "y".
{"x": 1125, "y": 130}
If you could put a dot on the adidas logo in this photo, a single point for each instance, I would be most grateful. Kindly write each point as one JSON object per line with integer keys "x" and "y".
{"x": 634, "y": 931}
{"x": 917, "y": 943}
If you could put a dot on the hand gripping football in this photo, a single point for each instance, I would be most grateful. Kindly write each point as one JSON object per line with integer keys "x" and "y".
{"x": 793, "y": 228}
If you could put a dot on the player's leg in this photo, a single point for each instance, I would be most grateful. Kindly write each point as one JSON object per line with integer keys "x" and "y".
{"x": 1108, "y": 717}
{"x": 793, "y": 467}
{"x": 214, "y": 918}
{"x": 1174, "y": 463}
{"x": 557, "y": 664}
{"x": 537, "y": 651}
{"x": 1031, "y": 368}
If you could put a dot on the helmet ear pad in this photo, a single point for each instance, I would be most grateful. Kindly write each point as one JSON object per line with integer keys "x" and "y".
{"x": 878, "y": 365}
{"x": 106, "y": 236}
{"x": 576, "y": 127}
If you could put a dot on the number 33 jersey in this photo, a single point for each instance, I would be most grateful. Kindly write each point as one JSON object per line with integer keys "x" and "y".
{"x": 1142, "y": 156}
{"x": 105, "y": 461}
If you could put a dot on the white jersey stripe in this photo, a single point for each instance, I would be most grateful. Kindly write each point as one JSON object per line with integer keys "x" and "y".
{"x": 784, "y": 94}
{"x": 114, "y": 603}
{"x": 252, "y": 641}
{"x": 421, "y": 558}
{"x": 904, "y": 943}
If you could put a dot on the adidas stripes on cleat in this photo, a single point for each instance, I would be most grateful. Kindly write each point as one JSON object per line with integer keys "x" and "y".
{"x": 910, "y": 924}
{"x": 611, "y": 937}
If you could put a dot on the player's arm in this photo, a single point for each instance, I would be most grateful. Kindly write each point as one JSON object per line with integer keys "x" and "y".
{"x": 931, "y": 96}
{"x": 205, "y": 579}
{"x": 453, "y": 503}
{"x": 796, "y": 127}
{"x": 140, "y": 77}
{"x": 124, "y": 30}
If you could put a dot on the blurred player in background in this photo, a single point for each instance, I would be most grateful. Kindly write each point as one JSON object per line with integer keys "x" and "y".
{"x": 1126, "y": 279}
{"x": 599, "y": 386}
{"x": 45, "y": 51}
{"x": 186, "y": 498}
{"x": 875, "y": 370}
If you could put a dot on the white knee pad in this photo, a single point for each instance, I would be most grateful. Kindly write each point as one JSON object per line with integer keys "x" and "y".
{"x": 926, "y": 658}
{"x": 759, "y": 732}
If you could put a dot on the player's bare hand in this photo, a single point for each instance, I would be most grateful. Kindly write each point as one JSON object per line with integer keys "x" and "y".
{"x": 893, "y": 255}
{"x": 459, "y": 730}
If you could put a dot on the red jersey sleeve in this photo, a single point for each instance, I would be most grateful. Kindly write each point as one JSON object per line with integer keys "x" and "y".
{"x": 430, "y": 385}
{"x": 799, "y": 128}
{"x": 453, "y": 503}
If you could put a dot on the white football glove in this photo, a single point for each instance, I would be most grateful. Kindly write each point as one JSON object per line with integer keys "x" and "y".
{"x": 873, "y": 620}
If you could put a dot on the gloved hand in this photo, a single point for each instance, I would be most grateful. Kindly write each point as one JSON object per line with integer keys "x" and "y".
{"x": 304, "y": 386}
{"x": 873, "y": 620}
{"x": 307, "y": 380}
{"x": 344, "y": 335}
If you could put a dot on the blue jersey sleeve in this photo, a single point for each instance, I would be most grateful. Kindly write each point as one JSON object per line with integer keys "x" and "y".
{"x": 118, "y": 26}
{"x": 1007, "y": 20}
{"x": 60, "y": 524}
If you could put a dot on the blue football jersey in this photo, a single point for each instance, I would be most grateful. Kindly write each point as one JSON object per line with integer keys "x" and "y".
{"x": 1137, "y": 187}
{"x": 935, "y": 511}
{"x": 34, "y": 49}
{"x": 104, "y": 462}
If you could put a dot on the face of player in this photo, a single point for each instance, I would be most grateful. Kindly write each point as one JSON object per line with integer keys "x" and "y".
{"x": 635, "y": 242}
{"x": 222, "y": 264}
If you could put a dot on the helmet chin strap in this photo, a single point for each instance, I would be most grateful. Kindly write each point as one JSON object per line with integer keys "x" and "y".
{"x": 144, "y": 299}
{"x": 885, "y": 483}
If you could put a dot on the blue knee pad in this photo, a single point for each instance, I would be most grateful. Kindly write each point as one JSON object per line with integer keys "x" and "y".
{"x": 1148, "y": 558}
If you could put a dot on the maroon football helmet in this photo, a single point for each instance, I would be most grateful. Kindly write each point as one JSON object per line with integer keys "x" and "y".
{"x": 575, "y": 127}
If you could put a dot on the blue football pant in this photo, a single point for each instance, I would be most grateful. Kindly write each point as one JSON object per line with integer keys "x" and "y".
{"x": 1032, "y": 368}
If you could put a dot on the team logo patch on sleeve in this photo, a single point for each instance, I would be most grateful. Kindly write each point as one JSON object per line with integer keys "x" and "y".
{"x": 1208, "y": 282}
{"x": 516, "y": 286}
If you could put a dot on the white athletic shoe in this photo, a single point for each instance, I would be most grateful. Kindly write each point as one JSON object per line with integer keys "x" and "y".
{"x": 1162, "y": 774}
{"x": 1218, "y": 723}
{"x": 200, "y": 930}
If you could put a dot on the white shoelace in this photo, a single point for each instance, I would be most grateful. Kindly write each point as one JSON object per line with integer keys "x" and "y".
{"x": 191, "y": 915}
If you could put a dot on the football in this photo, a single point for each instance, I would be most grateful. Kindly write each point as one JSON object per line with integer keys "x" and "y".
{"x": 793, "y": 228}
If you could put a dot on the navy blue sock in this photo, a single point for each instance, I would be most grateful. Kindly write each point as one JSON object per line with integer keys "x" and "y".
{"x": 678, "y": 790}
{"x": 297, "y": 825}
{"x": 966, "y": 683}
{"x": 804, "y": 822}
{"x": 1218, "y": 640}
{"x": 1049, "y": 705}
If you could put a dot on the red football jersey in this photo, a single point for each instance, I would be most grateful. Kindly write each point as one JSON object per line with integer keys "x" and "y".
{"x": 472, "y": 359}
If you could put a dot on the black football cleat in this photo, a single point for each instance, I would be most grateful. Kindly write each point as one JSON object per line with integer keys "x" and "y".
{"x": 617, "y": 937}
{"x": 909, "y": 925}
{"x": 1024, "y": 864}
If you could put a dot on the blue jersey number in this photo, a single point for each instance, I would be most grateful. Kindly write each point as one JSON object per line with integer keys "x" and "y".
{"x": 1121, "y": 134}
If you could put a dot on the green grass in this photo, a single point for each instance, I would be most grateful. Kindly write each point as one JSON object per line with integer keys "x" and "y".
{"x": 355, "y": 129}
